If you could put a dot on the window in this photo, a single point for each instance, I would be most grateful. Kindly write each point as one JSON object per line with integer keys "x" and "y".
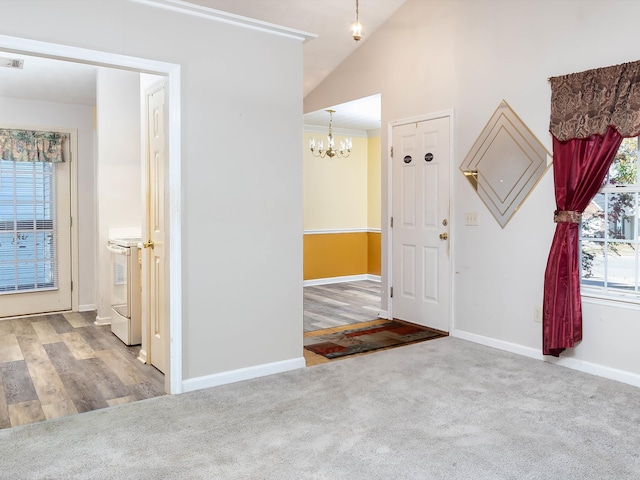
{"x": 27, "y": 249}
{"x": 609, "y": 230}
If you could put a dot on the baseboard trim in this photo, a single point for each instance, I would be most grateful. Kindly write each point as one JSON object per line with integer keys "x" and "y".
{"x": 334, "y": 231}
{"x": 499, "y": 344}
{"x": 87, "y": 308}
{"x": 384, "y": 314}
{"x": 102, "y": 321}
{"x": 622, "y": 376}
{"x": 217, "y": 379}
{"x": 343, "y": 279}
{"x": 142, "y": 355}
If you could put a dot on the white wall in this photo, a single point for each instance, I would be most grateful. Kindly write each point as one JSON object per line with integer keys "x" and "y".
{"x": 80, "y": 117}
{"x": 119, "y": 170}
{"x": 467, "y": 56}
{"x": 241, "y": 201}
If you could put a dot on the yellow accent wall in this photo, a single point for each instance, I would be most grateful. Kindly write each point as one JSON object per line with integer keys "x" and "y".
{"x": 335, "y": 255}
{"x": 342, "y": 194}
{"x": 374, "y": 179}
{"x": 335, "y": 189}
{"x": 329, "y": 255}
{"x": 374, "y": 253}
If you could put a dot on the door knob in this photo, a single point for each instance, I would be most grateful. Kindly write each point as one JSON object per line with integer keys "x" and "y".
{"x": 444, "y": 236}
{"x": 150, "y": 244}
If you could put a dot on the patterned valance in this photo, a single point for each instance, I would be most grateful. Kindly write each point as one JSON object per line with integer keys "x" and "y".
{"x": 586, "y": 103}
{"x": 32, "y": 146}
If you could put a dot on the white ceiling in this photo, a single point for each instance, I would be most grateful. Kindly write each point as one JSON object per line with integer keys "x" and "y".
{"x": 329, "y": 19}
{"x": 361, "y": 114}
{"x": 44, "y": 79}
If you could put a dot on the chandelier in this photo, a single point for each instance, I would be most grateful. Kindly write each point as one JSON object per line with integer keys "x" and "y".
{"x": 356, "y": 27}
{"x": 330, "y": 152}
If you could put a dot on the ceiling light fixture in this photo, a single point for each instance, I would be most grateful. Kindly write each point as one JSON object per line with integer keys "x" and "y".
{"x": 356, "y": 27}
{"x": 330, "y": 151}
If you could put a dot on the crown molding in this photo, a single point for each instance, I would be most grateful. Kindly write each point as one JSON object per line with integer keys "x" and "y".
{"x": 226, "y": 17}
{"x": 345, "y": 132}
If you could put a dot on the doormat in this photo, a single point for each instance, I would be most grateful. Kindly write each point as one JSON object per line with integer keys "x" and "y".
{"x": 375, "y": 337}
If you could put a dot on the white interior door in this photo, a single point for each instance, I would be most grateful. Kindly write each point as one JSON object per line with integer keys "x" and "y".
{"x": 35, "y": 236}
{"x": 420, "y": 244}
{"x": 153, "y": 288}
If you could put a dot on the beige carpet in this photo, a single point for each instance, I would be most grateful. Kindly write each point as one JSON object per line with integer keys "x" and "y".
{"x": 442, "y": 409}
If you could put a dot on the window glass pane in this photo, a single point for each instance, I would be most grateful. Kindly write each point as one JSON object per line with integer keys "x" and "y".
{"x": 7, "y": 277}
{"x": 26, "y": 275}
{"x": 43, "y": 211}
{"x": 621, "y": 266}
{"x": 6, "y": 216}
{"x": 27, "y": 250}
{"x": 7, "y": 247}
{"x": 26, "y": 246}
{"x": 24, "y": 212}
{"x": 621, "y": 218}
{"x": 44, "y": 246}
{"x": 44, "y": 275}
{"x": 593, "y": 218}
{"x": 592, "y": 263}
{"x": 624, "y": 169}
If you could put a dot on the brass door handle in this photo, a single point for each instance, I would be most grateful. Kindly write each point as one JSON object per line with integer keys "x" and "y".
{"x": 444, "y": 236}
{"x": 148, "y": 244}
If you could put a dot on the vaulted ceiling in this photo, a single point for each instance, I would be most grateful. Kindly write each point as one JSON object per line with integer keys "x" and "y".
{"x": 329, "y": 19}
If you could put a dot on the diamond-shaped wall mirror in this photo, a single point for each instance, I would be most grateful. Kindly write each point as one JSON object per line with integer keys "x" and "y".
{"x": 505, "y": 163}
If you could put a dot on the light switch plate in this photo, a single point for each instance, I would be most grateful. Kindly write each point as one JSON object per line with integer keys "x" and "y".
{"x": 471, "y": 218}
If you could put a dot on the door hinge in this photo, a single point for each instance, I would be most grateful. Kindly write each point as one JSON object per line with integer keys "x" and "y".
{"x": 72, "y": 285}
{"x": 71, "y": 221}
{"x": 391, "y": 222}
{"x": 391, "y": 292}
{"x": 391, "y": 152}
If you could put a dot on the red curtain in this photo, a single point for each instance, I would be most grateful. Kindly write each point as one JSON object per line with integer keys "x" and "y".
{"x": 580, "y": 166}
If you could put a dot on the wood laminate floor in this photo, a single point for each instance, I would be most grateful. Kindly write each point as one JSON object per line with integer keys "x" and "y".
{"x": 334, "y": 305}
{"x": 61, "y": 364}
{"x": 339, "y": 306}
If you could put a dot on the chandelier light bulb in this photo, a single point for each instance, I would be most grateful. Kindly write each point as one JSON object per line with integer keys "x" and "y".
{"x": 356, "y": 31}
{"x": 356, "y": 27}
{"x": 345, "y": 146}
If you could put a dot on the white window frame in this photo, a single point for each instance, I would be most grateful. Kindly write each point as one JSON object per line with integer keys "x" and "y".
{"x": 605, "y": 294}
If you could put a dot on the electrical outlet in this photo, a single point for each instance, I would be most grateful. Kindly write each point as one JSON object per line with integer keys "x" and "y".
{"x": 537, "y": 314}
{"x": 472, "y": 218}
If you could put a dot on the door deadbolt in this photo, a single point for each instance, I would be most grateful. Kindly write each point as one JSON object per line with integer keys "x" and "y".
{"x": 445, "y": 222}
{"x": 444, "y": 236}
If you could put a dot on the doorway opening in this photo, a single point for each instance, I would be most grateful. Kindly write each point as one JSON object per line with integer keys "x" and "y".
{"x": 171, "y": 75}
{"x": 342, "y": 217}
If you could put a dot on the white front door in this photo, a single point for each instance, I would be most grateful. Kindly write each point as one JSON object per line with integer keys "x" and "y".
{"x": 153, "y": 285}
{"x": 420, "y": 243}
{"x": 35, "y": 237}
